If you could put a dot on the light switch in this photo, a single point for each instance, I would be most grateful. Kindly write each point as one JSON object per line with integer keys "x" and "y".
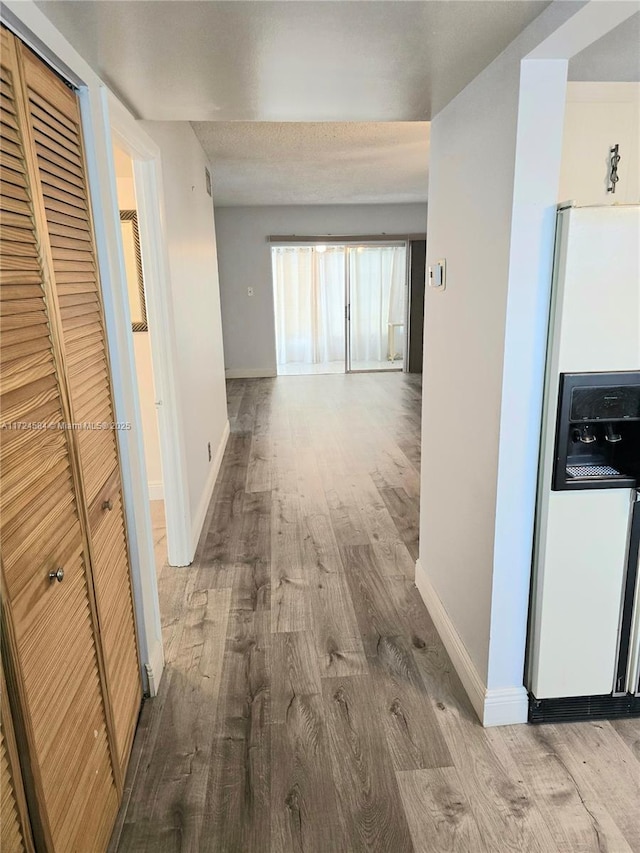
{"x": 438, "y": 275}
{"x": 249, "y": 291}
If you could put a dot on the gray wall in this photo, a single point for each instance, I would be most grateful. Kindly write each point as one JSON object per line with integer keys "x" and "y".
{"x": 191, "y": 248}
{"x": 244, "y": 259}
{"x": 484, "y": 343}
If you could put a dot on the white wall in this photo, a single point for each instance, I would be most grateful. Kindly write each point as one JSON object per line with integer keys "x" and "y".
{"x": 599, "y": 115}
{"x": 191, "y": 238}
{"x": 142, "y": 349}
{"x": 494, "y": 176}
{"x": 473, "y": 143}
{"x": 245, "y": 260}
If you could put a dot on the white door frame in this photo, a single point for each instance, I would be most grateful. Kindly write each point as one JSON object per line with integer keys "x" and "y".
{"x": 155, "y": 261}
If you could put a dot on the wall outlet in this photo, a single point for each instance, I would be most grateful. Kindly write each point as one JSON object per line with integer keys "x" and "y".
{"x": 209, "y": 450}
{"x": 249, "y": 291}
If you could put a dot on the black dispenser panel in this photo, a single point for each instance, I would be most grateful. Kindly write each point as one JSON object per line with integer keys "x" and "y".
{"x": 603, "y": 403}
{"x": 598, "y": 431}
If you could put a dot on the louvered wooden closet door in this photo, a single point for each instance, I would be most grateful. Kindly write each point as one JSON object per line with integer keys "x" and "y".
{"x": 48, "y": 627}
{"x": 15, "y": 832}
{"x": 11, "y": 833}
{"x": 56, "y": 128}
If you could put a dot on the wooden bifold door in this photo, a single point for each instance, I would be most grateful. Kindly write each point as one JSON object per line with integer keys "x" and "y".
{"x": 69, "y": 645}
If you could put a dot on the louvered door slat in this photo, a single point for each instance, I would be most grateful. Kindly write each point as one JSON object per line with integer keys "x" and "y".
{"x": 16, "y": 235}
{"x": 51, "y": 173}
{"x": 70, "y": 242}
{"x": 50, "y": 627}
{"x": 55, "y": 121}
{"x": 74, "y": 304}
{"x": 70, "y": 193}
{"x": 14, "y": 219}
{"x": 10, "y": 141}
{"x": 16, "y": 248}
{"x": 65, "y": 145}
{"x": 15, "y": 834}
{"x": 50, "y": 157}
{"x": 8, "y": 124}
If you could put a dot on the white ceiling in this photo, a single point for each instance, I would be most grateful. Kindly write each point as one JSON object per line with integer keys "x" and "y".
{"x": 297, "y": 102}
{"x": 258, "y": 163}
{"x": 258, "y": 60}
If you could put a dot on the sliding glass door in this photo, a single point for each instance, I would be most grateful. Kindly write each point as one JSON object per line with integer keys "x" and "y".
{"x": 376, "y": 307}
{"x": 339, "y": 308}
{"x": 309, "y": 289}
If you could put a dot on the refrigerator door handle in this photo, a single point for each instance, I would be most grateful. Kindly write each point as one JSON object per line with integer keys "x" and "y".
{"x": 628, "y": 658}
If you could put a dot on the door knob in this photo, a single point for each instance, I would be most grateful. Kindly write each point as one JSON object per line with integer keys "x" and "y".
{"x": 107, "y": 504}
{"x": 58, "y": 575}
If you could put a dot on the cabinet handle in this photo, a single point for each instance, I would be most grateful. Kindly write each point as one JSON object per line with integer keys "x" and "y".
{"x": 107, "y": 504}
{"x": 58, "y": 575}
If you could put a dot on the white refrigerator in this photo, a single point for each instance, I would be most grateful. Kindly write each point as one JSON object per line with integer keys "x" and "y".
{"x": 583, "y": 656}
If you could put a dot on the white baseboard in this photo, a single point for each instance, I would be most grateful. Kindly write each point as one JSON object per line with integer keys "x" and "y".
{"x": 201, "y": 513}
{"x": 502, "y": 707}
{"x": 156, "y": 491}
{"x": 250, "y": 372}
{"x": 154, "y": 668}
{"x": 506, "y": 707}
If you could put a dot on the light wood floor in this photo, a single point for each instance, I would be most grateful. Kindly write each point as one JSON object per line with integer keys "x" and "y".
{"x": 308, "y": 704}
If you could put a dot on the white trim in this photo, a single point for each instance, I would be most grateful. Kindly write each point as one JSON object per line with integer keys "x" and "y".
{"x": 505, "y": 707}
{"x": 501, "y": 707}
{"x": 155, "y": 261}
{"x": 250, "y": 373}
{"x": 18, "y": 28}
{"x": 101, "y": 176}
{"x": 156, "y": 491}
{"x": 199, "y": 517}
{"x": 456, "y": 649}
{"x": 154, "y": 668}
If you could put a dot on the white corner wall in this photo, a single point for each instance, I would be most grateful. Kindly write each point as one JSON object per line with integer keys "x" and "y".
{"x": 245, "y": 260}
{"x": 494, "y": 177}
{"x": 191, "y": 243}
{"x": 598, "y": 116}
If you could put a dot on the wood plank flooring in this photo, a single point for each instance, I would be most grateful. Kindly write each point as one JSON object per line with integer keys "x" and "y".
{"x": 308, "y": 704}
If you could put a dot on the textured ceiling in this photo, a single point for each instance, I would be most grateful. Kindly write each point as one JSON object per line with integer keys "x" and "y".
{"x": 297, "y": 102}
{"x": 615, "y": 58}
{"x": 289, "y": 61}
{"x": 258, "y": 163}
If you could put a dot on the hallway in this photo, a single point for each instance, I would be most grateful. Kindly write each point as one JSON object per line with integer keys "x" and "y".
{"x": 307, "y": 703}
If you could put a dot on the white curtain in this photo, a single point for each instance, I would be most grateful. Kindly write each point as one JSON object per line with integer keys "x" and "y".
{"x": 309, "y": 303}
{"x": 309, "y": 290}
{"x": 377, "y": 277}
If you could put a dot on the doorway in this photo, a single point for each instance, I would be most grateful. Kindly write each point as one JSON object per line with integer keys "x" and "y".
{"x": 340, "y": 308}
{"x": 125, "y": 185}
